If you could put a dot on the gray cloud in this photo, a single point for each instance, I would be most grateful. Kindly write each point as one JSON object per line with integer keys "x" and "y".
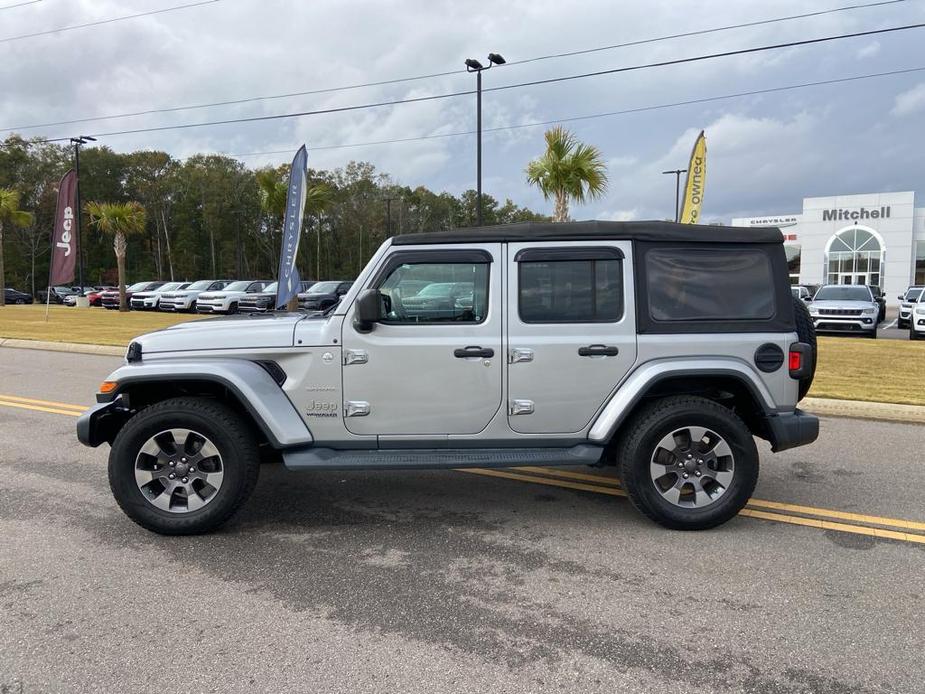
{"x": 765, "y": 152}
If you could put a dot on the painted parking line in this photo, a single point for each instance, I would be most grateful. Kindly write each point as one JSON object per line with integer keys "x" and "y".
{"x": 775, "y": 511}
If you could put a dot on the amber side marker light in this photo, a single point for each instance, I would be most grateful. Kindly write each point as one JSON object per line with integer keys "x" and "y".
{"x": 107, "y": 387}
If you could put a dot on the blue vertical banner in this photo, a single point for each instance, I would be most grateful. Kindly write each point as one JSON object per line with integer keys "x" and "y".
{"x": 292, "y": 229}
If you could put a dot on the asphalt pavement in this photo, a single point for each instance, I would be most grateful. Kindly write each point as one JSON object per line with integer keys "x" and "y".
{"x": 514, "y": 581}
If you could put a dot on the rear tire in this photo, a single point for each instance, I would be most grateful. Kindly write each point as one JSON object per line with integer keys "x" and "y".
{"x": 172, "y": 438}
{"x": 660, "y": 470}
{"x": 806, "y": 332}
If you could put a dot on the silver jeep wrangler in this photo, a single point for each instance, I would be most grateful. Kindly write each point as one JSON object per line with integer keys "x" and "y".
{"x": 660, "y": 348}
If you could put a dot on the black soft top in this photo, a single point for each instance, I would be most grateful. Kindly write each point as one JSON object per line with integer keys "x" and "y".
{"x": 653, "y": 231}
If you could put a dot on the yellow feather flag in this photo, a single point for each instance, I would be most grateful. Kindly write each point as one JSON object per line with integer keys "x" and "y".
{"x": 696, "y": 182}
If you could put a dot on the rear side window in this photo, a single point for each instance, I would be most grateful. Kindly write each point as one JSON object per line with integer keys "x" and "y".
{"x": 570, "y": 290}
{"x": 687, "y": 284}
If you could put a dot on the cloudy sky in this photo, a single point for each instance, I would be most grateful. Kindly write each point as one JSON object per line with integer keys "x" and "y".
{"x": 766, "y": 152}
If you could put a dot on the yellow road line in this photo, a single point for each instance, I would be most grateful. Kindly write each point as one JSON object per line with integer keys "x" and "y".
{"x": 754, "y": 503}
{"x": 45, "y": 403}
{"x": 546, "y": 481}
{"x": 831, "y": 525}
{"x": 747, "y": 512}
{"x": 554, "y": 477}
{"x": 37, "y": 408}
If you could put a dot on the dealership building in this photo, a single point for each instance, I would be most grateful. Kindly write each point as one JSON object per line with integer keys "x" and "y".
{"x": 876, "y": 238}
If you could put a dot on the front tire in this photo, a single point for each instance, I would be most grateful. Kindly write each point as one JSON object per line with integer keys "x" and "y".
{"x": 183, "y": 466}
{"x": 688, "y": 463}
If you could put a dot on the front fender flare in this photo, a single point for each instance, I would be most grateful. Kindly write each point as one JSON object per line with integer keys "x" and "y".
{"x": 639, "y": 381}
{"x": 263, "y": 399}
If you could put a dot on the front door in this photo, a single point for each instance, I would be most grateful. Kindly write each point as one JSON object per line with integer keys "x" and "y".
{"x": 433, "y": 366}
{"x": 572, "y": 335}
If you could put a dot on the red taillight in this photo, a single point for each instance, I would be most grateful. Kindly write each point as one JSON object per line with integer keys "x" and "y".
{"x": 795, "y": 362}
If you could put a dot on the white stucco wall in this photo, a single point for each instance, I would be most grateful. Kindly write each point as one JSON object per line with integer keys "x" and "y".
{"x": 899, "y": 230}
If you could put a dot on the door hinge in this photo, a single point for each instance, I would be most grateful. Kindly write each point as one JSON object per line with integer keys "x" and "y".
{"x": 521, "y": 407}
{"x": 356, "y": 408}
{"x": 519, "y": 354}
{"x": 355, "y": 356}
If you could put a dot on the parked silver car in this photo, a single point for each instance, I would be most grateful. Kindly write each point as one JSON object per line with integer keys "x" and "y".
{"x": 661, "y": 348}
{"x": 845, "y": 308}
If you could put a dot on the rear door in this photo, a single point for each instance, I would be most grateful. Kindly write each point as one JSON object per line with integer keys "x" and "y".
{"x": 572, "y": 334}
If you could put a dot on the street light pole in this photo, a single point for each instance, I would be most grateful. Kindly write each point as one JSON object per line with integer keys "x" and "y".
{"x": 677, "y": 191}
{"x": 473, "y": 65}
{"x": 78, "y": 141}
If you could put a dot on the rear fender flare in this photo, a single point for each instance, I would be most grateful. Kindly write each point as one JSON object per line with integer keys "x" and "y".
{"x": 634, "y": 388}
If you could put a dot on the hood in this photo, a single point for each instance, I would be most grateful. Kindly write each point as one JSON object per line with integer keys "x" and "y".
{"x": 833, "y": 303}
{"x": 252, "y": 331}
{"x": 184, "y": 292}
{"x": 305, "y": 296}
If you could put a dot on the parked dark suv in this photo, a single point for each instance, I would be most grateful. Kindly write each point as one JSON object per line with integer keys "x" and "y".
{"x": 11, "y": 296}
{"x": 265, "y": 300}
{"x": 323, "y": 295}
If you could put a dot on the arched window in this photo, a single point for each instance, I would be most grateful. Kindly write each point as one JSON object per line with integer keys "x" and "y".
{"x": 854, "y": 256}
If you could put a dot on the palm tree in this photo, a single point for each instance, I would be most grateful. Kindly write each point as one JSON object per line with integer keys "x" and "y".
{"x": 9, "y": 213}
{"x": 568, "y": 170}
{"x": 119, "y": 219}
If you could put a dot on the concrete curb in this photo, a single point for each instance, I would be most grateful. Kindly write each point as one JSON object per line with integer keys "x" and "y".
{"x": 882, "y": 411}
{"x": 887, "y": 412}
{"x": 73, "y": 347}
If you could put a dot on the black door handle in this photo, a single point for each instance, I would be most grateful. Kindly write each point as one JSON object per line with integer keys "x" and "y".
{"x": 465, "y": 352}
{"x": 598, "y": 351}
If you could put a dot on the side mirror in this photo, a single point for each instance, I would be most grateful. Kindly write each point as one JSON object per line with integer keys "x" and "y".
{"x": 368, "y": 310}
{"x": 807, "y": 298}
{"x": 901, "y": 297}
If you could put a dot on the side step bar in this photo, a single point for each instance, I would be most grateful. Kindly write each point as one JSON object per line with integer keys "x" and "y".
{"x": 422, "y": 459}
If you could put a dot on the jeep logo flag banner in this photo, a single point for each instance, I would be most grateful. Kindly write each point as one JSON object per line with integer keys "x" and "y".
{"x": 64, "y": 237}
{"x": 292, "y": 229}
{"x": 696, "y": 180}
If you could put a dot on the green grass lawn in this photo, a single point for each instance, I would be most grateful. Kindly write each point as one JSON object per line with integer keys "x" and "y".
{"x": 95, "y": 326}
{"x": 849, "y": 368}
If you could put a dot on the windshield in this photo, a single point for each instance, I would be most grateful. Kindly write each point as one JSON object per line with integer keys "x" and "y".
{"x": 324, "y": 288}
{"x": 170, "y": 286}
{"x": 137, "y": 287}
{"x": 271, "y": 289}
{"x": 200, "y": 285}
{"x": 237, "y": 286}
{"x": 914, "y": 294}
{"x": 843, "y": 293}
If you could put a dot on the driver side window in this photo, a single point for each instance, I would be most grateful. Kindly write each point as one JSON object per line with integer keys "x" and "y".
{"x": 436, "y": 293}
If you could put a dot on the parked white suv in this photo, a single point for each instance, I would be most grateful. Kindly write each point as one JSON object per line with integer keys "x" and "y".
{"x": 917, "y": 322}
{"x": 912, "y": 296}
{"x": 148, "y": 301}
{"x": 226, "y": 299}
{"x": 185, "y": 300}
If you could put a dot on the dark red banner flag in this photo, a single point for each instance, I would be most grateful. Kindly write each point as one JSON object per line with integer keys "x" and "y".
{"x": 64, "y": 237}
